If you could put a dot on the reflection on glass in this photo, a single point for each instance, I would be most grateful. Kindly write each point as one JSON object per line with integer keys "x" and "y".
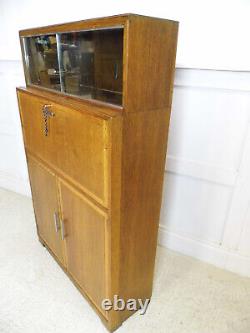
{"x": 85, "y": 63}
{"x": 91, "y": 64}
{"x": 41, "y": 55}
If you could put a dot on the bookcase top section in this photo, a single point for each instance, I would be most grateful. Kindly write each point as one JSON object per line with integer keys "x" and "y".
{"x": 93, "y": 23}
{"x": 124, "y": 61}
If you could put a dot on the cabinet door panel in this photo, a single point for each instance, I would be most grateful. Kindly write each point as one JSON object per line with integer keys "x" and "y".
{"x": 44, "y": 194}
{"x": 75, "y": 144}
{"x": 85, "y": 239}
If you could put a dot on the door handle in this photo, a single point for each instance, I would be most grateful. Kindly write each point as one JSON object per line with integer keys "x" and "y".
{"x": 56, "y": 218}
{"x": 63, "y": 235}
{"x": 116, "y": 71}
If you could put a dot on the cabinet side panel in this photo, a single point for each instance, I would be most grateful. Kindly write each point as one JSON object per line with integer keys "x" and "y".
{"x": 151, "y": 63}
{"x": 143, "y": 162}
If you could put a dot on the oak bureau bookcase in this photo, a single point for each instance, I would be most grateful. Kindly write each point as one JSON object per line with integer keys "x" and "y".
{"x": 95, "y": 113}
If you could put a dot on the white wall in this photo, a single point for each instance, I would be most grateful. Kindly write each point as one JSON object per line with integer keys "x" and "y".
{"x": 13, "y": 173}
{"x": 205, "y": 210}
{"x": 213, "y": 34}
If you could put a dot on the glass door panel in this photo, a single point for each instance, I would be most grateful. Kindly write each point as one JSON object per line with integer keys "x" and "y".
{"x": 42, "y": 61}
{"x": 88, "y": 64}
{"x": 91, "y": 64}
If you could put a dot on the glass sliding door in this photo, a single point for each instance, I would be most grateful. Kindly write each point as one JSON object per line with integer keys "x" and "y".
{"x": 91, "y": 64}
{"x": 42, "y": 61}
{"x": 88, "y": 64}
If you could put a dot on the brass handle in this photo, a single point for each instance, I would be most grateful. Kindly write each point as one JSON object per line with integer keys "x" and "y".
{"x": 62, "y": 230}
{"x": 57, "y": 225}
{"x": 116, "y": 71}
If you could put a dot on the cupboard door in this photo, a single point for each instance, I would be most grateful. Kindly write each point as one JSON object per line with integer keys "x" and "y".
{"x": 75, "y": 143}
{"x": 44, "y": 194}
{"x": 85, "y": 226}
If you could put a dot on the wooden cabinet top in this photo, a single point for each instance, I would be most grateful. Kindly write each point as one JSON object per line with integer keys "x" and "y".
{"x": 92, "y": 23}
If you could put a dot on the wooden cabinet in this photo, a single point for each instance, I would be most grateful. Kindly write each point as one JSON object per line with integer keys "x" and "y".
{"x": 95, "y": 117}
{"x": 69, "y": 223}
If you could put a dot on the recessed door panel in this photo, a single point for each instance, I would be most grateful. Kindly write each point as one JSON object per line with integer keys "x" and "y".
{"x": 85, "y": 241}
{"x": 45, "y": 199}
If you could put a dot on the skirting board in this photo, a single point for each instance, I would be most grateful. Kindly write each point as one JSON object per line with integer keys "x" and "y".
{"x": 12, "y": 183}
{"x": 212, "y": 254}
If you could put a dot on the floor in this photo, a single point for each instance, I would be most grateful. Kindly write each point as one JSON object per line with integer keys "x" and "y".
{"x": 36, "y": 296}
